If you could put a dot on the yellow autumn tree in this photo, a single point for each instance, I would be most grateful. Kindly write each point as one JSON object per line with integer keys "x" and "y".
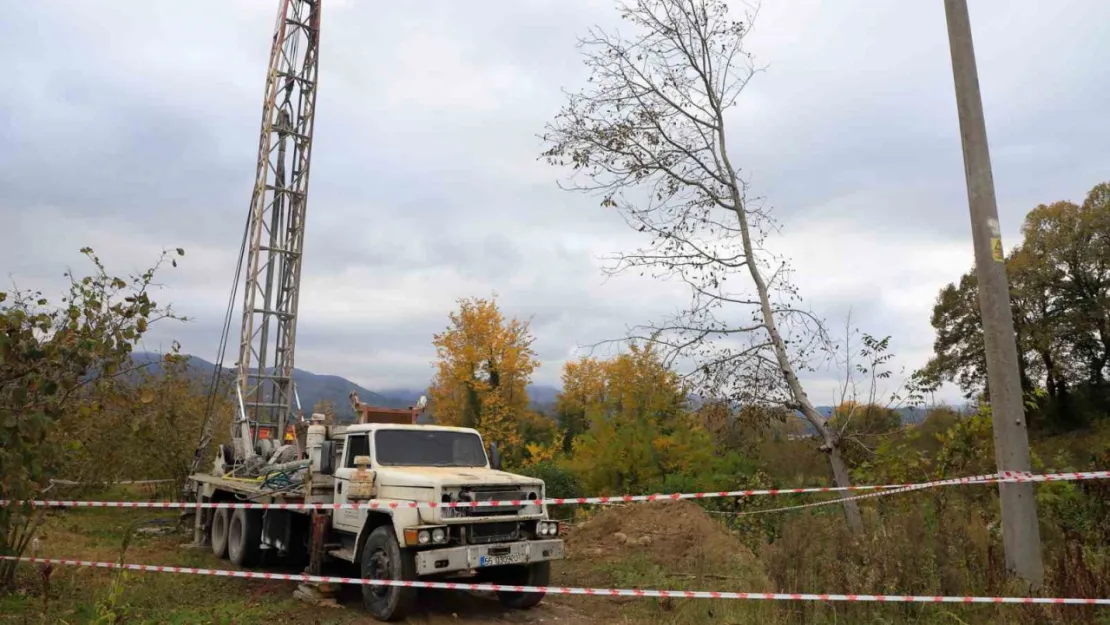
{"x": 638, "y": 426}
{"x": 541, "y": 437}
{"x": 484, "y": 363}
{"x": 583, "y": 389}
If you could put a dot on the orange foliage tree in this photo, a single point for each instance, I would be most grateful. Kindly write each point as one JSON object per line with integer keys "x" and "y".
{"x": 583, "y": 390}
{"x": 484, "y": 363}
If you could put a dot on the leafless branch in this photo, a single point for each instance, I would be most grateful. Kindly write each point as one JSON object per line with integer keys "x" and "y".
{"x": 648, "y": 136}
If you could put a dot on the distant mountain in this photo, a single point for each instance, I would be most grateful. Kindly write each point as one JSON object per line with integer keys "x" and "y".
{"x": 402, "y": 396}
{"x": 311, "y": 387}
{"x": 541, "y": 398}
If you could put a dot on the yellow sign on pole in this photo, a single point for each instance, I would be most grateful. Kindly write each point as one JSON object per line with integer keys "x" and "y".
{"x": 996, "y": 249}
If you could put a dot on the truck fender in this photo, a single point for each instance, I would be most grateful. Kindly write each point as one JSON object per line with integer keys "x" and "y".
{"x": 374, "y": 520}
{"x": 400, "y": 518}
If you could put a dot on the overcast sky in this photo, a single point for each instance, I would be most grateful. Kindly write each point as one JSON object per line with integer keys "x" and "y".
{"x": 132, "y": 126}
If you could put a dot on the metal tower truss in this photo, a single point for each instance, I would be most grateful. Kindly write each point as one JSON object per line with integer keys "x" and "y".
{"x": 276, "y": 230}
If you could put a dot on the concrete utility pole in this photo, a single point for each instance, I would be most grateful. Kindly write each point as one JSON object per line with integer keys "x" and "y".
{"x": 1020, "y": 532}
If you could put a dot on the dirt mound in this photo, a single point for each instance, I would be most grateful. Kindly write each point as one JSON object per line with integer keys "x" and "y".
{"x": 679, "y": 537}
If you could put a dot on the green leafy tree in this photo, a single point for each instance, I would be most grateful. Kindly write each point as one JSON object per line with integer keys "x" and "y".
{"x": 1069, "y": 246}
{"x": 958, "y": 352}
{"x": 640, "y": 428}
{"x": 1060, "y": 297}
{"x": 54, "y": 359}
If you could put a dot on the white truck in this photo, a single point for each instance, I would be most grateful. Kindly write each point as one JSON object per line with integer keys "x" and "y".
{"x": 394, "y": 463}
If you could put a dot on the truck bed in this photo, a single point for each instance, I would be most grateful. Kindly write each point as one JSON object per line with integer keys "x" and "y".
{"x": 322, "y": 489}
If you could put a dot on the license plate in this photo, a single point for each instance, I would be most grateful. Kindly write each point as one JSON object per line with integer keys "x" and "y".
{"x": 508, "y": 558}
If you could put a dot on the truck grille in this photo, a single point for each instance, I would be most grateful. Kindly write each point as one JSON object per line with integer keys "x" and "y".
{"x": 506, "y": 495}
{"x": 499, "y": 496}
{"x": 484, "y": 533}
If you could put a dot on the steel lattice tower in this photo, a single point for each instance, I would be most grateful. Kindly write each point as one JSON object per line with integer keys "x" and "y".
{"x": 275, "y": 237}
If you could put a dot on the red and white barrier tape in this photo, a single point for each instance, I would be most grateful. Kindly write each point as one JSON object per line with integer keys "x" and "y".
{"x": 563, "y": 590}
{"x": 1049, "y": 477}
{"x": 1005, "y": 476}
{"x": 817, "y": 504}
{"x": 1031, "y": 478}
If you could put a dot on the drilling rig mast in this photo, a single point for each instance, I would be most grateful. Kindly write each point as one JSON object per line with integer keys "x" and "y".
{"x": 275, "y": 234}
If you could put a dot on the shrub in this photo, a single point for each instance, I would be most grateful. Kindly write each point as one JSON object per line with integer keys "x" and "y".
{"x": 53, "y": 360}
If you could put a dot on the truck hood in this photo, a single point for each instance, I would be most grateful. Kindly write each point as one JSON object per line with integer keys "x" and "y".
{"x": 450, "y": 476}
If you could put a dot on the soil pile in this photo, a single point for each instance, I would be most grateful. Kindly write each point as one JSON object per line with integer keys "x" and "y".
{"x": 679, "y": 537}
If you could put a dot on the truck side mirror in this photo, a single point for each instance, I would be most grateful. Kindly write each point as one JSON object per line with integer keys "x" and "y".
{"x": 494, "y": 457}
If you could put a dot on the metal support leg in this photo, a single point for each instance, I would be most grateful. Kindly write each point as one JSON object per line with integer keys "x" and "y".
{"x": 318, "y": 594}
{"x": 201, "y": 537}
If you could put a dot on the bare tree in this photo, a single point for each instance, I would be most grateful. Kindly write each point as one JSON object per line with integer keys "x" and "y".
{"x": 648, "y": 134}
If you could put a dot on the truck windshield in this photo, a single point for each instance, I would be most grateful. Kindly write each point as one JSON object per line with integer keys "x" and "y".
{"x": 429, "y": 448}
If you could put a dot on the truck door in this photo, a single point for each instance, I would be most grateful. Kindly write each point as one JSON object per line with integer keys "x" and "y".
{"x": 349, "y": 519}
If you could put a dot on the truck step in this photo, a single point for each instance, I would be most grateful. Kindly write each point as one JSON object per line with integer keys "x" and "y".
{"x": 345, "y": 553}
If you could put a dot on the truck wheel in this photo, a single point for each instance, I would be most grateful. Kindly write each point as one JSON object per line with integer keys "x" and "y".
{"x": 219, "y": 532}
{"x": 383, "y": 558}
{"x": 535, "y": 574}
{"x": 244, "y": 537}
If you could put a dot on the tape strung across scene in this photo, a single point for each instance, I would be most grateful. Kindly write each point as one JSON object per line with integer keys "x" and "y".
{"x": 827, "y": 502}
{"x": 553, "y": 590}
{"x": 1051, "y": 477}
{"x": 1005, "y": 476}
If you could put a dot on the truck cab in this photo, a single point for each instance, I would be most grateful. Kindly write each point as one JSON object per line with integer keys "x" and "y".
{"x": 396, "y": 465}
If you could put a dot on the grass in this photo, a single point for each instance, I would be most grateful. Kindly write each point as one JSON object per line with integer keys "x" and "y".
{"x": 65, "y": 594}
{"x": 69, "y": 594}
{"x": 638, "y": 571}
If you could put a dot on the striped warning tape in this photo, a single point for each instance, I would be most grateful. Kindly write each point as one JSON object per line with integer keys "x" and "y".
{"x": 1005, "y": 476}
{"x": 563, "y": 590}
{"x": 817, "y": 504}
{"x": 912, "y": 487}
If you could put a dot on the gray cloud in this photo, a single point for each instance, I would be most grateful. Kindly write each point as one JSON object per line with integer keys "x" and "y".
{"x": 426, "y": 185}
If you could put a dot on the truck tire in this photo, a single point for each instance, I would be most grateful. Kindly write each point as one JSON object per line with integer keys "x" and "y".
{"x": 383, "y": 558}
{"x": 535, "y": 574}
{"x": 220, "y": 521}
{"x": 244, "y": 537}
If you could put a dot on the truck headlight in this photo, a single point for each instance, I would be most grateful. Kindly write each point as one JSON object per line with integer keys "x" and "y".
{"x": 427, "y": 535}
{"x": 547, "y": 528}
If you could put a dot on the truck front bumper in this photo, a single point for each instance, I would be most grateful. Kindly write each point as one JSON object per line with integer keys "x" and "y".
{"x": 454, "y": 559}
